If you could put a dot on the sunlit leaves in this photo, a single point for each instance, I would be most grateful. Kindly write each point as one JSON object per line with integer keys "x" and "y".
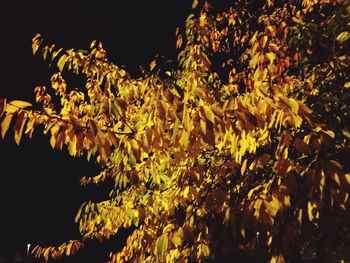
{"x": 247, "y": 137}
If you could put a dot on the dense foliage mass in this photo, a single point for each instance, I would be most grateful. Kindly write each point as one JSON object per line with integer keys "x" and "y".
{"x": 242, "y": 146}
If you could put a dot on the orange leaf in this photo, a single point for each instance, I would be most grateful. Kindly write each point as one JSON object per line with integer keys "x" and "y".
{"x": 244, "y": 166}
{"x": 5, "y": 124}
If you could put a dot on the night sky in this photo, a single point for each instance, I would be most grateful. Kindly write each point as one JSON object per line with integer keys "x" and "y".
{"x": 39, "y": 187}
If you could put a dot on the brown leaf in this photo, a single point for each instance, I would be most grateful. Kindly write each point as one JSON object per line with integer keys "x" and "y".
{"x": 2, "y": 106}
{"x": 19, "y": 124}
{"x": 300, "y": 146}
{"x": 209, "y": 137}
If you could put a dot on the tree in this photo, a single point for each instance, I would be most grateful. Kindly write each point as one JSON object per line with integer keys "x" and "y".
{"x": 242, "y": 146}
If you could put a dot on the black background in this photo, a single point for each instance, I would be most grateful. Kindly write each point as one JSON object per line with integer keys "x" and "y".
{"x": 39, "y": 187}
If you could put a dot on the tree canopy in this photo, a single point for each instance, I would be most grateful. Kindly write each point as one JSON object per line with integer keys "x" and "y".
{"x": 242, "y": 145}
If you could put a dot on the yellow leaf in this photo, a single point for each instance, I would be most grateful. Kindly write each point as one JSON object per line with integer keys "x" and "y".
{"x": 300, "y": 216}
{"x": 36, "y": 42}
{"x": 5, "y": 124}
{"x": 312, "y": 211}
{"x": 347, "y": 178}
{"x": 330, "y": 133}
{"x": 68, "y": 249}
{"x": 162, "y": 244}
{"x": 61, "y": 62}
{"x": 203, "y": 126}
{"x": 205, "y": 250}
{"x": 277, "y": 259}
{"x": 271, "y": 57}
{"x": 52, "y": 141}
{"x": 176, "y": 239}
{"x": 269, "y": 240}
{"x": 272, "y": 207}
{"x": 343, "y": 36}
{"x": 336, "y": 178}
{"x": 244, "y": 166}
{"x": 20, "y": 104}
{"x": 254, "y": 60}
{"x": 72, "y": 146}
{"x": 209, "y": 113}
{"x": 186, "y": 191}
{"x": 184, "y": 138}
{"x": 227, "y": 215}
{"x": 263, "y": 41}
{"x": 253, "y": 39}
{"x": 152, "y": 64}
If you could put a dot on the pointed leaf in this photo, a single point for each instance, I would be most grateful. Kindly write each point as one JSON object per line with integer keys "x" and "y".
{"x": 19, "y": 125}
{"x": 5, "y": 124}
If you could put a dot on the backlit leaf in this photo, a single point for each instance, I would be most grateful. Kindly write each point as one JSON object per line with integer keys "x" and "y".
{"x": 19, "y": 125}
{"x": 20, "y": 104}
{"x": 5, "y": 124}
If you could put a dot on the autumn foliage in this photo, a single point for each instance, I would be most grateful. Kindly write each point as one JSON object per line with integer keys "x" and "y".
{"x": 242, "y": 146}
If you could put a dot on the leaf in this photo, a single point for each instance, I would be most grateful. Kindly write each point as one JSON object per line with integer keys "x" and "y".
{"x": 162, "y": 244}
{"x": 272, "y": 207}
{"x": 20, "y": 104}
{"x": 244, "y": 166}
{"x": 69, "y": 248}
{"x": 36, "y": 42}
{"x": 205, "y": 250}
{"x": 346, "y": 133}
{"x": 5, "y": 124}
{"x": 152, "y": 65}
{"x": 61, "y": 62}
{"x": 300, "y": 146}
{"x": 271, "y": 30}
{"x": 329, "y": 133}
{"x": 176, "y": 239}
{"x": 343, "y": 36}
{"x": 186, "y": 191}
{"x": 312, "y": 211}
{"x": 209, "y": 136}
{"x": 184, "y": 138}
{"x": 19, "y": 125}
{"x": 277, "y": 259}
{"x": 2, "y": 106}
{"x": 56, "y": 53}
{"x": 347, "y": 178}
{"x": 271, "y": 57}
{"x": 209, "y": 113}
